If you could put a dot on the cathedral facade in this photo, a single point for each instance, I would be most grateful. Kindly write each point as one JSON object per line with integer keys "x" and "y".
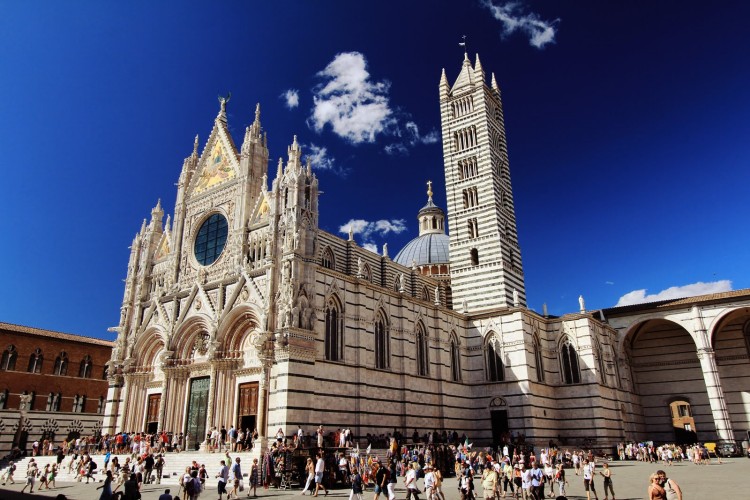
{"x": 241, "y": 311}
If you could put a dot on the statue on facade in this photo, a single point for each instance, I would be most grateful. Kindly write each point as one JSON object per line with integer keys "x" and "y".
{"x": 515, "y": 298}
{"x": 437, "y": 296}
{"x": 24, "y": 401}
{"x": 401, "y": 283}
{"x": 581, "y": 304}
{"x": 360, "y": 267}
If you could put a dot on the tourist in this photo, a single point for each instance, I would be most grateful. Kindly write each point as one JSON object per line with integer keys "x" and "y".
{"x": 132, "y": 492}
{"x": 392, "y": 479}
{"x": 320, "y": 467}
{"x": 320, "y": 436}
{"x": 8, "y": 476}
{"x": 576, "y": 463}
{"x": 310, "y": 470}
{"x": 439, "y": 484}
{"x": 549, "y": 475}
{"x": 560, "y": 479}
{"x": 255, "y": 476}
{"x": 223, "y": 476}
{"x": 356, "y": 480}
{"x": 411, "y": 483}
{"x": 607, "y": 474}
{"x": 588, "y": 479}
{"x": 655, "y": 490}
{"x": 31, "y": 473}
{"x": 43, "y": 478}
{"x": 671, "y": 488}
{"x": 489, "y": 483}
{"x": 236, "y": 478}
{"x": 526, "y": 480}
{"x": 537, "y": 481}
{"x": 166, "y": 495}
{"x": 106, "y": 487}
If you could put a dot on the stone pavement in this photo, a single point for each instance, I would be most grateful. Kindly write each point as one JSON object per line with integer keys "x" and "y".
{"x": 630, "y": 481}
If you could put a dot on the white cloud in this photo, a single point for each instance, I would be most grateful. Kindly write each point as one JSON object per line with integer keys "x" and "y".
{"x": 513, "y": 18}
{"x": 319, "y": 157}
{"x": 675, "y": 292}
{"x": 367, "y": 230}
{"x": 356, "y": 107}
{"x": 291, "y": 97}
{"x": 411, "y": 137}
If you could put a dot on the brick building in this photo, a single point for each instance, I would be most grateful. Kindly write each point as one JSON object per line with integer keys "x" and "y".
{"x": 64, "y": 376}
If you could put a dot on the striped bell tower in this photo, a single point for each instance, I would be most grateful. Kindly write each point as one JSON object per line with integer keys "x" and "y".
{"x": 486, "y": 270}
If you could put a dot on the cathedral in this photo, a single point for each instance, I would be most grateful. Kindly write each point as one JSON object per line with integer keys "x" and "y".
{"x": 239, "y": 310}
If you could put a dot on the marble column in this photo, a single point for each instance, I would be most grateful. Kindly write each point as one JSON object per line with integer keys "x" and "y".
{"x": 210, "y": 409}
{"x": 162, "y": 403}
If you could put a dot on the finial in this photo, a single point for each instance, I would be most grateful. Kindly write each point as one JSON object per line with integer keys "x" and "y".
{"x": 223, "y": 102}
{"x": 158, "y": 204}
{"x": 429, "y": 190}
{"x": 466, "y": 50}
{"x": 544, "y": 310}
{"x": 309, "y": 165}
{"x": 494, "y": 83}
{"x": 143, "y": 226}
{"x": 257, "y": 113}
{"x": 581, "y": 304}
{"x": 280, "y": 169}
{"x": 295, "y": 145}
{"x": 168, "y": 224}
{"x": 195, "y": 145}
{"x": 478, "y": 68}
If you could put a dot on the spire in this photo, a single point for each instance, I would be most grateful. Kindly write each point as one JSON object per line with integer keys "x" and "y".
{"x": 494, "y": 83}
{"x": 257, "y": 114}
{"x": 478, "y": 68}
{"x": 280, "y": 169}
{"x": 309, "y": 166}
{"x": 157, "y": 214}
{"x": 444, "y": 85}
{"x": 168, "y": 223}
{"x": 466, "y": 59}
{"x": 143, "y": 227}
{"x": 195, "y": 146}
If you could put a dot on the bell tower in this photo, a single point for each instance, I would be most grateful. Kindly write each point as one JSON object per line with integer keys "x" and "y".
{"x": 486, "y": 270}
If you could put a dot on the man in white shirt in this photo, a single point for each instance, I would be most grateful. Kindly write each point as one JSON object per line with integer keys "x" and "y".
{"x": 411, "y": 483}
{"x": 536, "y": 482}
{"x": 320, "y": 468}
{"x": 588, "y": 480}
{"x": 429, "y": 481}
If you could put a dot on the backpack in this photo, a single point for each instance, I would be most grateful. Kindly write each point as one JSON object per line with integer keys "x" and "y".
{"x": 189, "y": 488}
{"x": 93, "y": 465}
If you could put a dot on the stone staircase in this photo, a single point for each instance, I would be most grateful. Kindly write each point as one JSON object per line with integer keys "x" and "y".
{"x": 174, "y": 465}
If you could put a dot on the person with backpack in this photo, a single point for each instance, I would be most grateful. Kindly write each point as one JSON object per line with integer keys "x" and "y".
{"x": 90, "y": 468}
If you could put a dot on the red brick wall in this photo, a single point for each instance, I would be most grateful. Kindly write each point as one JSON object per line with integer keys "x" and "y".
{"x": 19, "y": 380}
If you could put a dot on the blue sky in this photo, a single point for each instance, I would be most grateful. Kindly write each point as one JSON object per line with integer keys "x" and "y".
{"x": 627, "y": 128}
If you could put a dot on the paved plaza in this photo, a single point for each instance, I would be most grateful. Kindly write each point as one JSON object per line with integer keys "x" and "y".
{"x": 630, "y": 481}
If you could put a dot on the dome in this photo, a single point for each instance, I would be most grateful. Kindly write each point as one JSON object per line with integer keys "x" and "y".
{"x": 431, "y": 248}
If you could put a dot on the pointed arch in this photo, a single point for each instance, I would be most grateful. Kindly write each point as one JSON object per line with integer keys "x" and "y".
{"x": 184, "y": 338}
{"x": 538, "y": 359}
{"x": 422, "y": 354}
{"x": 61, "y": 364}
{"x": 147, "y": 347}
{"x": 334, "y": 329}
{"x": 570, "y": 368}
{"x": 425, "y": 295}
{"x": 328, "y": 259}
{"x": 236, "y": 327}
{"x": 84, "y": 370}
{"x": 10, "y": 355}
{"x": 494, "y": 358}
{"x": 455, "y": 358}
{"x": 382, "y": 341}
{"x": 35, "y": 361}
{"x": 367, "y": 272}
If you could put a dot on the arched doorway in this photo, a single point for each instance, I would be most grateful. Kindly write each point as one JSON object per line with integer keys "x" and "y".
{"x": 665, "y": 366}
{"x": 730, "y": 339}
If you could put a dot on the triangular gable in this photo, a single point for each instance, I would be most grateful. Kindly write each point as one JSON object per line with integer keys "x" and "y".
{"x": 162, "y": 250}
{"x": 465, "y": 77}
{"x": 218, "y": 163}
{"x": 261, "y": 209}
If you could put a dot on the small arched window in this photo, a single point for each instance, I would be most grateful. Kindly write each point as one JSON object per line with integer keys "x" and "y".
{"x": 425, "y": 294}
{"x": 8, "y": 361}
{"x": 79, "y": 403}
{"x": 474, "y": 257}
{"x": 333, "y": 339}
{"x": 538, "y": 360}
{"x": 61, "y": 364}
{"x": 423, "y": 361}
{"x": 495, "y": 365}
{"x": 367, "y": 272}
{"x": 455, "y": 359}
{"x": 382, "y": 343}
{"x": 571, "y": 372}
{"x": 327, "y": 260}
{"x": 85, "y": 369}
{"x": 35, "y": 361}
